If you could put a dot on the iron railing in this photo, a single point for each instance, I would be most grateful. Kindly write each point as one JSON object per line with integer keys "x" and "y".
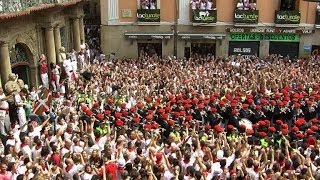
{"x": 8, "y": 6}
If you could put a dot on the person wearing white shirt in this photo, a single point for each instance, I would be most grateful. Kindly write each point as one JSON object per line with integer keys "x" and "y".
{"x": 240, "y": 5}
{"x": 202, "y": 5}
{"x": 193, "y": 4}
{"x": 72, "y": 169}
{"x": 68, "y": 67}
{"x": 209, "y": 5}
{"x": 153, "y": 4}
{"x": 81, "y": 58}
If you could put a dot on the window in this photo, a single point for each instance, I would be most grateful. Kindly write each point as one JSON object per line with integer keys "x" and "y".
{"x": 247, "y": 5}
{"x": 148, "y": 4}
{"x": 203, "y": 4}
{"x": 289, "y": 5}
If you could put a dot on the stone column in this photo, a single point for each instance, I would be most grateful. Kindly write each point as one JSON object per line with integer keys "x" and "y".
{"x": 50, "y": 45}
{"x": 57, "y": 40}
{"x": 81, "y": 27}
{"x": 76, "y": 34}
{"x": 5, "y": 67}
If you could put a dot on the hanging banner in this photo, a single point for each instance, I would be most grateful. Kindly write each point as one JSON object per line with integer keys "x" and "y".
{"x": 204, "y": 16}
{"x": 246, "y": 16}
{"x": 287, "y": 17}
{"x": 148, "y": 15}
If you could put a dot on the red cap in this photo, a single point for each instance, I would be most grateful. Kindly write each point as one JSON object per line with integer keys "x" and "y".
{"x": 262, "y": 134}
{"x": 139, "y": 105}
{"x": 279, "y": 122}
{"x": 95, "y": 105}
{"x": 155, "y": 126}
{"x": 149, "y": 117}
{"x": 147, "y": 127}
{"x": 119, "y": 123}
{"x": 309, "y": 132}
{"x": 230, "y": 127}
{"x": 100, "y": 116}
{"x": 314, "y": 128}
{"x": 284, "y": 126}
{"x": 234, "y": 112}
{"x": 272, "y": 129}
{"x": 300, "y": 135}
{"x": 207, "y": 127}
{"x": 118, "y": 115}
{"x": 245, "y": 105}
{"x": 148, "y": 99}
{"x": 107, "y": 112}
{"x": 189, "y": 117}
{"x": 136, "y": 119}
{"x": 83, "y": 108}
{"x": 285, "y": 131}
{"x": 165, "y": 116}
{"x": 314, "y": 120}
{"x": 218, "y": 129}
{"x": 171, "y": 122}
{"x": 89, "y": 112}
{"x": 295, "y": 129}
{"x": 262, "y": 123}
{"x": 250, "y": 131}
{"x": 123, "y": 105}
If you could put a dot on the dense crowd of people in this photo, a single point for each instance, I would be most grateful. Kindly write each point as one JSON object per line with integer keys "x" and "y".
{"x": 166, "y": 118}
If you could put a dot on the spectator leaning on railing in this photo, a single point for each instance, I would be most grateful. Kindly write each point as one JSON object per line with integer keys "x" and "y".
{"x": 202, "y": 4}
{"x": 246, "y": 5}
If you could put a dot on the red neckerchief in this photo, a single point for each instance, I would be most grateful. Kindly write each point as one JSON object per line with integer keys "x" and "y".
{"x": 97, "y": 139}
{"x": 131, "y": 149}
{"x": 186, "y": 161}
{"x": 69, "y": 131}
{"x": 24, "y": 144}
{"x": 38, "y": 147}
{"x": 68, "y": 168}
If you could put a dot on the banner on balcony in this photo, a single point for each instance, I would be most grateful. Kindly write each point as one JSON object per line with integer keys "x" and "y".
{"x": 246, "y": 16}
{"x": 287, "y": 17}
{"x": 204, "y": 16}
{"x": 148, "y": 15}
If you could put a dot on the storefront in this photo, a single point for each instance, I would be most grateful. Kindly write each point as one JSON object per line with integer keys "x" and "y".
{"x": 200, "y": 44}
{"x": 149, "y": 43}
{"x": 248, "y": 41}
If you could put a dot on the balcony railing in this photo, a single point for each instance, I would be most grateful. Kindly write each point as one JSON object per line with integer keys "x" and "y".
{"x": 148, "y": 15}
{"x": 204, "y": 16}
{"x": 287, "y": 17}
{"x": 246, "y": 16}
{"x": 9, "y": 6}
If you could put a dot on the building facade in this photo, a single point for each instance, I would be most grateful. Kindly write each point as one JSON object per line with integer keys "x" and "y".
{"x": 31, "y": 28}
{"x": 227, "y": 27}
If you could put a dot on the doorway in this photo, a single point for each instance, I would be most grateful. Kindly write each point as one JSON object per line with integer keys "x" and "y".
{"x": 149, "y": 49}
{"x": 203, "y": 50}
{"x": 19, "y": 58}
{"x": 290, "y": 49}
{"x": 187, "y": 52}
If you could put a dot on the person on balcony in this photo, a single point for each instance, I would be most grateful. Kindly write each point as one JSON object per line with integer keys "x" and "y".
{"x": 209, "y": 4}
{"x": 203, "y": 5}
{"x": 318, "y": 6}
{"x": 194, "y": 4}
{"x": 246, "y": 5}
{"x": 44, "y": 71}
{"x": 145, "y": 4}
{"x": 153, "y": 4}
{"x": 253, "y": 5}
{"x": 240, "y": 5}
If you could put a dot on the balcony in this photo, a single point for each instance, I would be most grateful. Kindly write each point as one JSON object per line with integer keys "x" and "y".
{"x": 148, "y": 16}
{"x": 19, "y": 6}
{"x": 204, "y": 16}
{"x": 287, "y": 18}
{"x": 246, "y": 17}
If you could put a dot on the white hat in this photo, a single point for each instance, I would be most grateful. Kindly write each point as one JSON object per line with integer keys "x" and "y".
{"x": 121, "y": 162}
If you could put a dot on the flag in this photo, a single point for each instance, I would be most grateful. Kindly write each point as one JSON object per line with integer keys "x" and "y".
{"x": 44, "y": 102}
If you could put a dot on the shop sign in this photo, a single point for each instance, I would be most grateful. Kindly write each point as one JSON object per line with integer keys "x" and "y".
{"x": 204, "y": 16}
{"x": 287, "y": 17}
{"x": 267, "y": 37}
{"x": 148, "y": 15}
{"x": 270, "y": 30}
{"x": 317, "y": 18}
{"x": 245, "y": 49}
{"x": 148, "y": 37}
{"x": 246, "y": 16}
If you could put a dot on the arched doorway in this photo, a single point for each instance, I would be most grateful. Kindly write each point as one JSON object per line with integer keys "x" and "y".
{"x": 20, "y": 56}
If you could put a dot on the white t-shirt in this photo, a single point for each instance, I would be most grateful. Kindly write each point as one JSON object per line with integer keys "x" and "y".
{"x": 202, "y": 5}
{"x": 193, "y": 5}
{"x": 36, "y": 132}
{"x": 209, "y": 5}
{"x": 75, "y": 169}
{"x": 86, "y": 176}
